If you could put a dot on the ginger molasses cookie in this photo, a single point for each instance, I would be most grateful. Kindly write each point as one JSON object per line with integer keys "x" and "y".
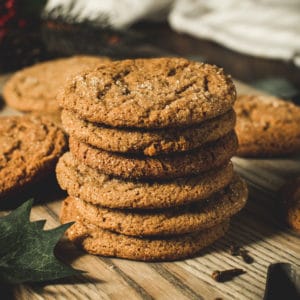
{"x": 35, "y": 88}
{"x": 152, "y": 142}
{"x": 208, "y": 157}
{"x": 267, "y": 126}
{"x": 91, "y": 186}
{"x": 291, "y": 203}
{"x": 54, "y": 117}
{"x": 98, "y": 241}
{"x": 29, "y": 148}
{"x": 149, "y": 93}
{"x": 172, "y": 221}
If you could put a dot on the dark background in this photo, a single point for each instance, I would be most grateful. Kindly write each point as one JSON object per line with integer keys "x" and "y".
{"x": 26, "y": 37}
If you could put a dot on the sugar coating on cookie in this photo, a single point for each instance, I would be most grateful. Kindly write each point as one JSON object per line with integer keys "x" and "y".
{"x": 35, "y": 88}
{"x": 171, "y": 221}
{"x": 267, "y": 126}
{"x": 98, "y": 241}
{"x": 150, "y": 93}
{"x": 202, "y": 159}
{"x": 92, "y": 186}
{"x": 29, "y": 149}
{"x": 151, "y": 143}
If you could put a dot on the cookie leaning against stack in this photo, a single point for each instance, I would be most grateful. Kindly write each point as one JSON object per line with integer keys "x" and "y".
{"x": 148, "y": 174}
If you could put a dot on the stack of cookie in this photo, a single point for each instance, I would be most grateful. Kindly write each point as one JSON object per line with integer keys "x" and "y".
{"x": 148, "y": 174}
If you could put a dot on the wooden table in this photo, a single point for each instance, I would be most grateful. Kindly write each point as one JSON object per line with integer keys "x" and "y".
{"x": 258, "y": 228}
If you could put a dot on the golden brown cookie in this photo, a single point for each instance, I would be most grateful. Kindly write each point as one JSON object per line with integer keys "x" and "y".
{"x": 152, "y": 142}
{"x": 54, "y": 117}
{"x": 91, "y": 186}
{"x": 267, "y": 126}
{"x": 150, "y": 93}
{"x": 35, "y": 88}
{"x": 291, "y": 200}
{"x": 98, "y": 241}
{"x": 172, "y": 221}
{"x": 208, "y": 157}
{"x": 29, "y": 149}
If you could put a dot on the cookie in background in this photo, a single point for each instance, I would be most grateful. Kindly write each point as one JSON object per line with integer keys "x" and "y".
{"x": 267, "y": 126}
{"x": 34, "y": 89}
{"x": 29, "y": 149}
{"x": 291, "y": 203}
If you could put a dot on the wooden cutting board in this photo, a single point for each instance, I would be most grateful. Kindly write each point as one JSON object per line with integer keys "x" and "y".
{"x": 257, "y": 228}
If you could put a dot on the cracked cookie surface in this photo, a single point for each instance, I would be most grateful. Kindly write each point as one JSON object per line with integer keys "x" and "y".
{"x": 35, "y": 88}
{"x": 267, "y": 126}
{"x": 208, "y": 157}
{"x": 172, "y": 221}
{"x": 148, "y": 142}
{"x": 91, "y": 186}
{"x": 98, "y": 241}
{"x": 149, "y": 93}
{"x": 29, "y": 148}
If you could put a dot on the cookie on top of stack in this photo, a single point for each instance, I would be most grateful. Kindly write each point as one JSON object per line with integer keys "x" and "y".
{"x": 148, "y": 174}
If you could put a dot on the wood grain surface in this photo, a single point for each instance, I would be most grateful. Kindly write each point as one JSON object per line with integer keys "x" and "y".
{"x": 258, "y": 228}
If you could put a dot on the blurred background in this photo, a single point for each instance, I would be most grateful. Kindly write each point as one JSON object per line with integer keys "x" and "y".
{"x": 257, "y": 41}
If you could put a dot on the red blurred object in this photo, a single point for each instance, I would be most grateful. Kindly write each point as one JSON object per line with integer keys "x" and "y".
{"x": 8, "y": 16}
{"x": 20, "y": 35}
{"x": 22, "y": 23}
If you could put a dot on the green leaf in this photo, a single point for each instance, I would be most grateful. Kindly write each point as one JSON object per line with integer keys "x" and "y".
{"x": 26, "y": 250}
